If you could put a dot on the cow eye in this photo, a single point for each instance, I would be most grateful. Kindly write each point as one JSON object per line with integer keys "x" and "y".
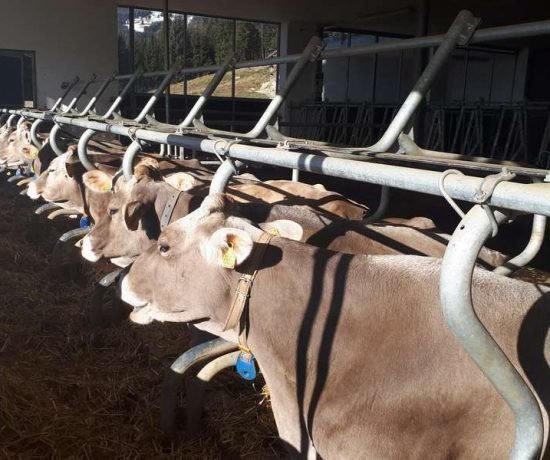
{"x": 163, "y": 248}
{"x": 112, "y": 212}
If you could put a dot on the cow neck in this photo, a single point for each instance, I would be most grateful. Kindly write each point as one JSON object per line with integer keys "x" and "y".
{"x": 249, "y": 271}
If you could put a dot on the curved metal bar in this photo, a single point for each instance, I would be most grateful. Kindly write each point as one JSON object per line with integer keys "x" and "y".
{"x": 83, "y": 149}
{"x": 34, "y": 128}
{"x": 128, "y": 159}
{"x": 68, "y": 89}
{"x": 62, "y": 212}
{"x": 79, "y": 94}
{"x": 382, "y": 206}
{"x": 531, "y": 250}
{"x": 153, "y": 99}
{"x": 208, "y": 91}
{"x": 217, "y": 365}
{"x": 11, "y": 119}
{"x": 94, "y": 310}
{"x": 89, "y": 133}
{"x": 206, "y": 374}
{"x": 460, "y": 31}
{"x": 53, "y": 140}
{"x": 25, "y": 181}
{"x": 173, "y": 379}
{"x": 456, "y": 301}
{"x": 73, "y": 234}
{"x": 123, "y": 93}
{"x": 20, "y": 122}
{"x": 46, "y": 207}
{"x": 309, "y": 54}
{"x": 223, "y": 175}
{"x": 97, "y": 95}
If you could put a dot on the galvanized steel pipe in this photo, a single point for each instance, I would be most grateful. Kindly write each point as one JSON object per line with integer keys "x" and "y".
{"x": 128, "y": 160}
{"x": 217, "y": 365}
{"x": 531, "y": 250}
{"x": 456, "y": 301}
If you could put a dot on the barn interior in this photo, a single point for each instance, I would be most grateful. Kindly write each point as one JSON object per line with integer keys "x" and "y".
{"x": 69, "y": 390}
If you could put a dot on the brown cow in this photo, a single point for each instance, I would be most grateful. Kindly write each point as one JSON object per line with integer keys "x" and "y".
{"x": 134, "y": 220}
{"x": 136, "y": 207}
{"x": 354, "y": 349}
{"x": 62, "y": 183}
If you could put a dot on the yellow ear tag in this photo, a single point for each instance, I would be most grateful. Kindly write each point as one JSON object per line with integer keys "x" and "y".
{"x": 275, "y": 231}
{"x": 229, "y": 258}
{"x": 33, "y": 155}
{"x": 106, "y": 187}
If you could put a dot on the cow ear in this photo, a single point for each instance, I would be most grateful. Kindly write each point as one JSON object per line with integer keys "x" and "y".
{"x": 181, "y": 181}
{"x": 29, "y": 152}
{"x": 97, "y": 181}
{"x": 228, "y": 247}
{"x": 284, "y": 228}
{"x": 132, "y": 213}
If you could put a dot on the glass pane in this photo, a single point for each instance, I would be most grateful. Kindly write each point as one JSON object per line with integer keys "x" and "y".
{"x": 177, "y": 33}
{"x": 361, "y": 71}
{"x": 209, "y": 42}
{"x": 149, "y": 46}
{"x": 256, "y": 41}
{"x": 388, "y": 88}
{"x": 123, "y": 40}
{"x": 335, "y": 70}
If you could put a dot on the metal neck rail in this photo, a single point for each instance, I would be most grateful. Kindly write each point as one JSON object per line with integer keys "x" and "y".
{"x": 458, "y": 32}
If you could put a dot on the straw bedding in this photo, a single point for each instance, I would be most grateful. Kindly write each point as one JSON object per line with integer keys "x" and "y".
{"x": 68, "y": 391}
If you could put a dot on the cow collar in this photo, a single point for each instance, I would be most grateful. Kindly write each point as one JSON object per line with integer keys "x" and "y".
{"x": 242, "y": 293}
{"x": 169, "y": 209}
{"x": 85, "y": 206}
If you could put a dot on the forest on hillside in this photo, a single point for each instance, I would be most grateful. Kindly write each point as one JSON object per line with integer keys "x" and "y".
{"x": 198, "y": 41}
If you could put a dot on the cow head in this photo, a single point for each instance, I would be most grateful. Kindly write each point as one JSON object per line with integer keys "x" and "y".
{"x": 177, "y": 278}
{"x": 131, "y": 222}
{"x": 60, "y": 182}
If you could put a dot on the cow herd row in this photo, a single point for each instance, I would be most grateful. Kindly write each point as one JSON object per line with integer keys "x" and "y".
{"x": 342, "y": 318}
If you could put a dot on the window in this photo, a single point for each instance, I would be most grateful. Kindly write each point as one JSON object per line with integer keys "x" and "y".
{"x": 381, "y": 78}
{"x": 17, "y": 79}
{"x": 196, "y": 41}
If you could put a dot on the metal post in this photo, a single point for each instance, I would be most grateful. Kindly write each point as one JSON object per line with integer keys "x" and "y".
{"x": 166, "y": 60}
{"x": 458, "y": 34}
{"x": 530, "y": 251}
{"x": 456, "y": 301}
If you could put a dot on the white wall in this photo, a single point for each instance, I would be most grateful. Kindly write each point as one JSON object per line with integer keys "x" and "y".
{"x": 70, "y": 37}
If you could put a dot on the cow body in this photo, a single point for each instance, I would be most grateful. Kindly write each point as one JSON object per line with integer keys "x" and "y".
{"x": 354, "y": 349}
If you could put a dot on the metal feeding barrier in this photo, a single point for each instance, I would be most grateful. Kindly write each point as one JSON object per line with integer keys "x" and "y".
{"x": 375, "y": 165}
